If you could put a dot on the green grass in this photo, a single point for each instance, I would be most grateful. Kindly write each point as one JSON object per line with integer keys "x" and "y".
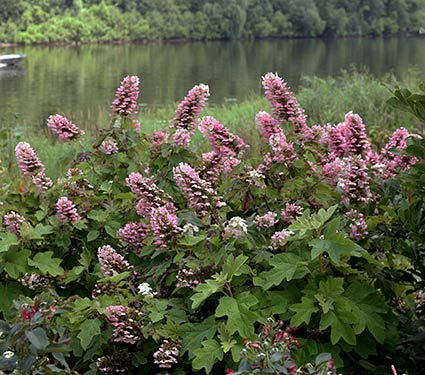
{"x": 325, "y": 100}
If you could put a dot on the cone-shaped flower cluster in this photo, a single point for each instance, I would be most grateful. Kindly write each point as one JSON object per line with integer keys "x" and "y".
{"x": 266, "y": 221}
{"x": 13, "y": 221}
{"x": 282, "y": 152}
{"x": 151, "y": 196}
{"x": 357, "y": 224}
{"x": 133, "y": 235}
{"x": 164, "y": 225}
{"x": 348, "y": 138}
{"x": 285, "y": 105}
{"x": 187, "y": 278}
{"x": 30, "y": 165}
{"x": 222, "y": 141}
{"x": 125, "y": 103}
{"x": 64, "y": 128}
{"x": 188, "y": 112}
{"x": 236, "y": 227}
{"x": 167, "y": 355}
{"x": 200, "y": 195}
{"x": 280, "y": 238}
{"x": 291, "y": 212}
{"x": 108, "y": 147}
{"x": 390, "y": 162}
{"x": 126, "y": 322}
{"x": 111, "y": 262}
{"x": 66, "y": 212}
{"x": 267, "y": 124}
{"x": 28, "y": 161}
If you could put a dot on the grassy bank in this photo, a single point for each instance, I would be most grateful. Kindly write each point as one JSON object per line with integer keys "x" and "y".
{"x": 326, "y": 100}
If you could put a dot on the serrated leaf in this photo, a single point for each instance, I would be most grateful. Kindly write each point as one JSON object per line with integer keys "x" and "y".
{"x": 234, "y": 266}
{"x": 92, "y": 235}
{"x": 287, "y": 266}
{"x": 194, "y": 333}
{"x": 207, "y": 356}
{"x": 89, "y": 330}
{"x": 192, "y": 240}
{"x": 239, "y": 316}
{"x": 7, "y": 241}
{"x": 339, "y": 328}
{"x": 46, "y": 264}
{"x": 15, "y": 262}
{"x": 303, "y": 311}
{"x": 205, "y": 290}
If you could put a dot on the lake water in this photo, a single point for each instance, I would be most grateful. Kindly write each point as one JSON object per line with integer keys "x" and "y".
{"x": 80, "y": 81}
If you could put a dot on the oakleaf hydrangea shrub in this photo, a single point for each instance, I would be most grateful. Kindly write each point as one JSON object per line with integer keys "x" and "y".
{"x": 148, "y": 257}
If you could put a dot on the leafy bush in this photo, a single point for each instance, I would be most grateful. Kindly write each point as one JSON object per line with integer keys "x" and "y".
{"x": 147, "y": 256}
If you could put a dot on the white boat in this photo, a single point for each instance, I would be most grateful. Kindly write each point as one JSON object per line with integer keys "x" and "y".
{"x": 6, "y": 60}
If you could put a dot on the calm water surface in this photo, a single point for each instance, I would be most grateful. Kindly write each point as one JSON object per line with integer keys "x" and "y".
{"x": 80, "y": 81}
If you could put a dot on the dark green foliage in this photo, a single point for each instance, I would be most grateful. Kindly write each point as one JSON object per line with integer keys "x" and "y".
{"x": 29, "y": 21}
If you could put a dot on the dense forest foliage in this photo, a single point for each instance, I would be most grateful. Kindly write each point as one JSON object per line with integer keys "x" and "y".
{"x": 38, "y": 21}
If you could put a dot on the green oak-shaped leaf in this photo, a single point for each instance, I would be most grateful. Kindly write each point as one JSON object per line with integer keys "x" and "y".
{"x": 285, "y": 266}
{"x": 339, "y": 328}
{"x": 239, "y": 316}
{"x": 194, "y": 333}
{"x": 89, "y": 329}
{"x": 303, "y": 311}
{"x": 207, "y": 356}
{"x": 205, "y": 290}
{"x": 7, "y": 241}
{"x": 46, "y": 264}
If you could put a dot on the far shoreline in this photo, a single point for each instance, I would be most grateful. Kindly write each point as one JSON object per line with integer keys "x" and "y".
{"x": 190, "y": 40}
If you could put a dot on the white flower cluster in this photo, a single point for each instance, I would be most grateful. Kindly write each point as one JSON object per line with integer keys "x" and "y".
{"x": 236, "y": 227}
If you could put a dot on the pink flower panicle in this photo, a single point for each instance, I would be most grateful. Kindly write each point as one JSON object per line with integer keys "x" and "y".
{"x": 221, "y": 139}
{"x": 353, "y": 180}
{"x": 348, "y": 138}
{"x": 151, "y": 196}
{"x": 64, "y": 128}
{"x": 28, "y": 161}
{"x": 391, "y": 162}
{"x": 13, "y": 221}
{"x": 125, "y": 103}
{"x": 66, "y": 212}
{"x": 133, "y": 235}
{"x": 42, "y": 182}
{"x": 357, "y": 224}
{"x": 280, "y": 238}
{"x": 282, "y": 152}
{"x": 167, "y": 355}
{"x": 187, "y": 278}
{"x": 201, "y": 197}
{"x": 164, "y": 225}
{"x": 187, "y": 113}
{"x": 291, "y": 212}
{"x": 159, "y": 138}
{"x": 285, "y": 105}
{"x": 112, "y": 262}
{"x": 267, "y": 220}
{"x": 267, "y": 124}
{"x": 126, "y": 322}
{"x": 109, "y": 147}
{"x": 215, "y": 164}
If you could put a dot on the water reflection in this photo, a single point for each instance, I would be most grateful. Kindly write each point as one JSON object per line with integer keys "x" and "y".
{"x": 82, "y": 79}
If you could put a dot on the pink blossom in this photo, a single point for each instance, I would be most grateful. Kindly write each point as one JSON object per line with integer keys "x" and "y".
{"x": 151, "y": 196}
{"x": 112, "y": 262}
{"x": 108, "y": 147}
{"x": 282, "y": 151}
{"x": 188, "y": 112}
{"x": 159, "y": 138}
{"x": 164, "y": 225}
{"x": 221, "y": 139}
{"x": 357, "y": 224}
{"x": 280, "y": 238}
{"x": 125, "y": 103}
{"x": 66, "y": 212}
{"x": 133, "y": 235}
{"x": 42, "y": 182}
{"x": 391, "y": 162}
{"x": 28, "y": 161}
{"x": 167, "y": 355}
{"x": 267, "y": 124}
{"x": 64, "y": 128}
{"x": 291, "y": 212}
{"x": 201, "y": 197}
{"x": 126, "y": 322}
{"x": 13, "y": 221}
{"x": 267, "y": 220}
{"x": 285, "y": 105}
